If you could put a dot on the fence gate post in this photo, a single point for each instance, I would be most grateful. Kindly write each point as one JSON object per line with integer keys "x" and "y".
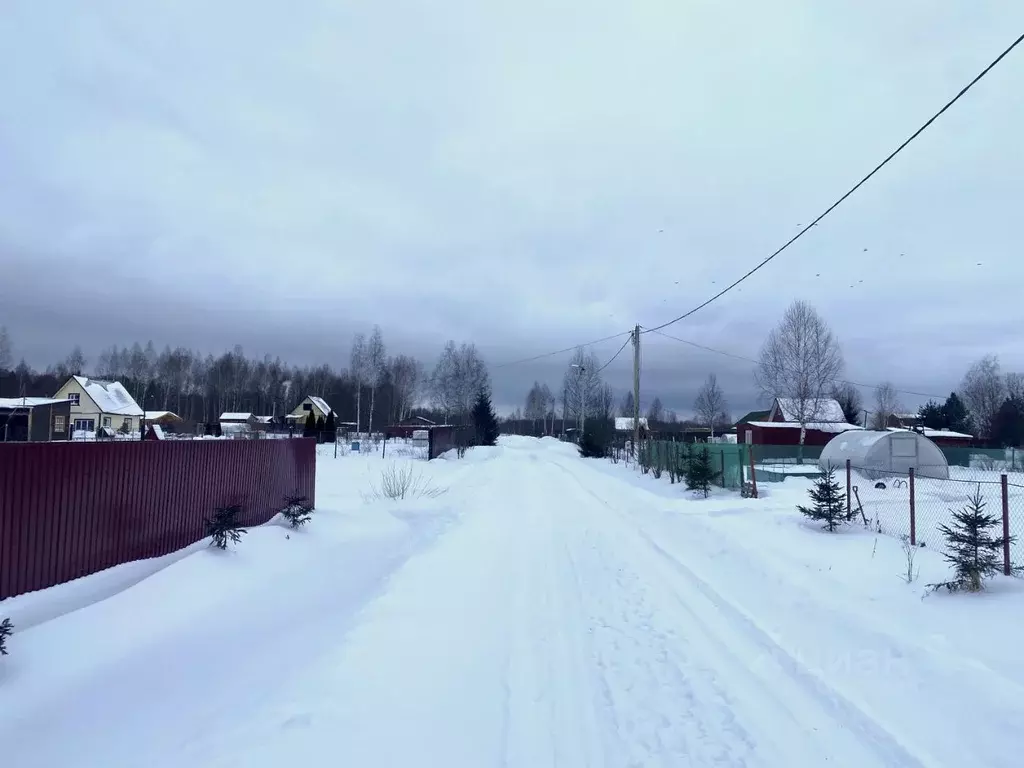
{"x": 913, "y": 515}
{"x": 849, "y": 508}
{"x": 753, "y": 473}
{"x": 1006, "y": 525}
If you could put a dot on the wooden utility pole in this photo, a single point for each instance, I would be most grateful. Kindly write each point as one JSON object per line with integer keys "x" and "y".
{"x": 636, "y": 391}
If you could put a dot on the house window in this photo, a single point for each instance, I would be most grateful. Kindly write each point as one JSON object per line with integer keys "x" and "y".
{"x": 127, "y": 423}
{"x": 58, "y": 423}
{"x": 74, "y": 397}
{"x": 307, "y": 406}
{"x": 106, "y": 421}
{"x": 84, "y": 425}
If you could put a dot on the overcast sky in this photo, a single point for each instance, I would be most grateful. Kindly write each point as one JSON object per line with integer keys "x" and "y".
{"x": 523, "y": 175}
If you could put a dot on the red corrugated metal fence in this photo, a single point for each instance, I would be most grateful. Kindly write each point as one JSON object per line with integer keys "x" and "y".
{"x": 68, "y": 510}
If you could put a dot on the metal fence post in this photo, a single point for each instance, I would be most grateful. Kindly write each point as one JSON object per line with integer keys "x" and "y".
{"x": 913, "y": 515}
{"x": 753, "y": 473}
{"x": 1006, "y": 525}
{"x": 849, "y": 508}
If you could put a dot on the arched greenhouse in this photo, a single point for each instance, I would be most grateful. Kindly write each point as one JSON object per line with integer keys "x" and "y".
{"x": 876, "y": 454}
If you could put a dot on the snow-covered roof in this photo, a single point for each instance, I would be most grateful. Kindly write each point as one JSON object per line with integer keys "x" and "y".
{"x": 321, "y": 405}
{"x": 834, "y": 427}
{"x": 109, "y": 396}
{"x": 930, "y": 433}
{"x": 27, "y": 402}
{"x": 821, "y": 409}
{"x": 946, "y": 433}
{"x": 625, "y": 423}
{"x": 264, "y": 419}
{"x": 158, "y": 431}
{"x": 235, "y": 416}
{"x": 157, "y": 415}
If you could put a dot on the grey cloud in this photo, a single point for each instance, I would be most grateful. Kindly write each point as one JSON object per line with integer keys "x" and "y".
{"x": 524, "y": 177}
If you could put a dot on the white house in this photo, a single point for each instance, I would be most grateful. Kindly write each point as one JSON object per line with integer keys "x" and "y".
{"x": 625, "y": 423}
{"x": 96, "y": 403}
{"x": 317, "y": 405}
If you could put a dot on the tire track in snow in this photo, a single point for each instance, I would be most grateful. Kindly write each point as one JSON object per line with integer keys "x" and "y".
{"x": 886, "y": 747}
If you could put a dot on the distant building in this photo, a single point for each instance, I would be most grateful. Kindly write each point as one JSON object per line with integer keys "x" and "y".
{"x": 168, "y": 420}
{"x": 905, "y": 421}
{"x": 626, "y": 424}
{"x": 238, "y": 424}
{"x": 34, "y": 419}
{"x": 782, "y": 425}
{"x": 944, "y": 438}
{"x": 97, "y": 403}
{"x": 310, "y": 404}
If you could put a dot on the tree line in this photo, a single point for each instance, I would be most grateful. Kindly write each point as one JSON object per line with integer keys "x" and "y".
{"x": 375, "y": 389}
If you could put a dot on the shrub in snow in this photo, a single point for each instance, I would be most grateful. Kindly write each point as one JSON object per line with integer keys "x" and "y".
{"x": 591, "y": 446}
{"x": 223, "y": 526}
{"x": 699, "y": 472}
{"x": 6, "y": 628}
{"x": 297, "y": 511}
{"x": 828, "y": 501}
{"x": 910, "y": 551}
{"x": 404, "y": 482}
{"x": 974, "y": 552}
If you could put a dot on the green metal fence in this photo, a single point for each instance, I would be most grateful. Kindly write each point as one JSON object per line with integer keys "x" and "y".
{"x": 727, "y": 460}
{"x": 731, "y": 462}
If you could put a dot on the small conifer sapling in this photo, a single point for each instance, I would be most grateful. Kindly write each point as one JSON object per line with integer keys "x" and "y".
{"x": 297, "y": 511}
{"x": 973, "y": 548}
{"x": 699, "y": 472}
{"x": 828, "y": 502}
{"x": 6, "y": 629}
{"x": 224, "y": 527}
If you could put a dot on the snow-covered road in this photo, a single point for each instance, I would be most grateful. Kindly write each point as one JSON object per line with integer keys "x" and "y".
{"x": 544, "y": 612}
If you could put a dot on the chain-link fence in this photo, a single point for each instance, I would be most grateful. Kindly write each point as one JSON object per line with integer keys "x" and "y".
{"x": 901, "y": 504}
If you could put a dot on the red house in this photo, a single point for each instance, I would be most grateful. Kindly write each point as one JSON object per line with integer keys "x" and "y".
{"x": 825, "y": 420}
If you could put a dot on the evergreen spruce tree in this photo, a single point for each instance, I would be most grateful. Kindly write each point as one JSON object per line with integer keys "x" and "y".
{"x": 591, "y": 445}
{"x": 974, "y": 552}
{"x": 310, "y": 429}
{"x": 829, "y": 502}
{"x": 6, "y": 629}
{"x": 699, "y": 472}
{"x": 320, "y": 426}
{"x": 224, "y": 526}
{"x": 331, "y": 428}
{"x": 957, "y": 417}
{"x": 485, "y": 423}
{"x": 933, "y": 415}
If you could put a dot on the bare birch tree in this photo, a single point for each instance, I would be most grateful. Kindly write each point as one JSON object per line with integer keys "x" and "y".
{"x": 983, "y": 391}
{"x": 711, "y": 406}
{"x": 800, "y": 361}
{"x": 655, "y": 412}
{"x": 549, "y": 408}
{"x": 1014, "y": 386}
{"x": 357, "y": 368}
{"x": 581, "y": 385}
{"x": 6, "y": 352}
{"x": 376, "y": 359}
{"x": 887, "y": 404}
{"x": 406, "y": 376}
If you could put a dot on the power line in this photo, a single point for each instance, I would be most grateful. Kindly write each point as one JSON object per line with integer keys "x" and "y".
{"x": 853, "y": 189}
{"x": 755, "y": 362}
{"x": 612, "y": 360}
{"x": 561, "y": 351}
